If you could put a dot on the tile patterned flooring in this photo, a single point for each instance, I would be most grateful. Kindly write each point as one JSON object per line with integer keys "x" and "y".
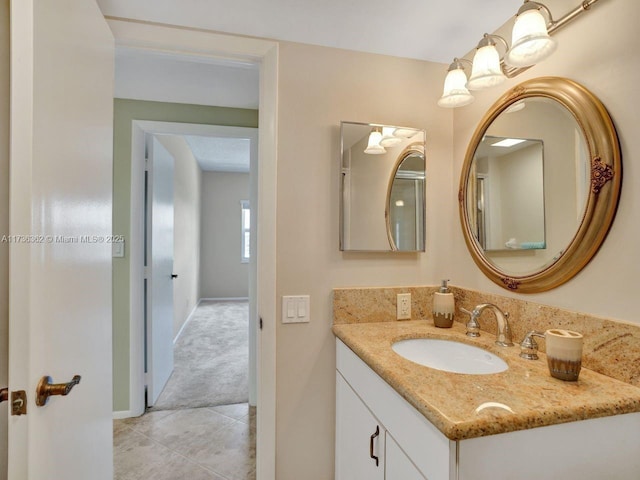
{"x": 214, "y": 443}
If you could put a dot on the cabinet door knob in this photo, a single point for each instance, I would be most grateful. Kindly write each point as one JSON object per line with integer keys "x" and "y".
{"x": 373, "y": 436}
{"x": 45, "y": 389}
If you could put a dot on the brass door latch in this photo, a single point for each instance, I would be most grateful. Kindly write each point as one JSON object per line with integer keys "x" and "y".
{"x": 45, "y": 389}
{"x": 18, "y": 401}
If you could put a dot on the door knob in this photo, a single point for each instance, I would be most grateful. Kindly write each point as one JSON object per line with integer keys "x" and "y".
{"x": 45, "y": 389}
{"x": 4, "y": 394}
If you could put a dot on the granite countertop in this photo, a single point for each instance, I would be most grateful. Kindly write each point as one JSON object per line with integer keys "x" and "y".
{"x": 468, "y": 406}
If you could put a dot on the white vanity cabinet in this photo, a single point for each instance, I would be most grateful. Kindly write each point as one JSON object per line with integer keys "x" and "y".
{"x": 360, "y": 441}
{"x": 409, "y": 447}
{"x": 364, "y": 449}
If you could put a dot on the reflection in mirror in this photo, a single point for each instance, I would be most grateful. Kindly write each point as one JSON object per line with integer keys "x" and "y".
{"x": 382, "y": 188}
{"x": 514, "y": 229}
{"x": 406, "y": 202}
{"x": 508, "y": 181}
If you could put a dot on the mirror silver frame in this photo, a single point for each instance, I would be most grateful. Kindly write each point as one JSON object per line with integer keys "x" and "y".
{"x": 382, "y": 212}
{"x": 605, "y": 182}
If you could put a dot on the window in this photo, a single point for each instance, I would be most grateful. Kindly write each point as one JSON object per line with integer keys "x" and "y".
{"x": 246, "y": 232}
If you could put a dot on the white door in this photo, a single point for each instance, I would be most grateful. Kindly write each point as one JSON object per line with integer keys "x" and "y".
{"x": 60, "y": 227}
{"x": 159, "y": 257}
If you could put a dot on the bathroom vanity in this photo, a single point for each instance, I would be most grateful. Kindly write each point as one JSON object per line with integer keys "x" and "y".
{"x": 399, "y": 420}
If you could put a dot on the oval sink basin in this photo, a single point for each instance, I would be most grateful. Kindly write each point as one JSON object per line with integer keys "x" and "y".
{"x": 450, "y": 356}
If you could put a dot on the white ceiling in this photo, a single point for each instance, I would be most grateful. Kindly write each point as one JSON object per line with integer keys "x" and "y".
{"x": 435, "y": 30}
{"x": 220, "y": 154}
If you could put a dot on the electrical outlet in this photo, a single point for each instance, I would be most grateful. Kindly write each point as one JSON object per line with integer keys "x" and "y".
{"x": 403, "y": 306}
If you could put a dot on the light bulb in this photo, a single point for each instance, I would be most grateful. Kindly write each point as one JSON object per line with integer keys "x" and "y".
{"x": 530, "y": 41}
{"x": 455, "y": 93}
{"x": 373, "y": 146}
{"x": 486, "y": 71}
{"x": 388, "y": 138}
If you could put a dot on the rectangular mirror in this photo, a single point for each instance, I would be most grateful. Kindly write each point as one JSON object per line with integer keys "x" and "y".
{"x": 509, "y": 194}
{"x": 382, "y": 188}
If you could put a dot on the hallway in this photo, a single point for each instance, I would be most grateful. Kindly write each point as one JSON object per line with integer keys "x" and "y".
{"x": 215, "y": 443}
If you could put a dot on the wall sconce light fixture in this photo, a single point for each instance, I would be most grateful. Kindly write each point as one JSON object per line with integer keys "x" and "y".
{"x": 530, "y": 43}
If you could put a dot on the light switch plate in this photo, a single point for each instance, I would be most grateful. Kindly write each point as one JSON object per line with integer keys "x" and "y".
{"x": 117, "y": 249}
{"x": 295, "y": 309}
{"x": 403, "y": 306}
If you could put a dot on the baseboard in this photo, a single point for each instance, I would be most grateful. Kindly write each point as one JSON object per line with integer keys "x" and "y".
{"x": 185, "y": 323}
{"x": 120, "y": 414}
{"x": 224, "y": 299}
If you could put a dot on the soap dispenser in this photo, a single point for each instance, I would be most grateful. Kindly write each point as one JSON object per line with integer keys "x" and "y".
{"x": 443, "y": 306}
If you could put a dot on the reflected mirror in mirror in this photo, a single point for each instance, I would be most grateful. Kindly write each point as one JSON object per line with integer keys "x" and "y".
{"x": 406, "y": 202}
{"x": 548, "y": 168}
{"x": 382, "y": 188}
{"x": 508, "y": 182}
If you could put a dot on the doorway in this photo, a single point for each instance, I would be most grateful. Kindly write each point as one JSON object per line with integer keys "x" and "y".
{"x": 202, "y": 45}
{"x": 216, "y": 175}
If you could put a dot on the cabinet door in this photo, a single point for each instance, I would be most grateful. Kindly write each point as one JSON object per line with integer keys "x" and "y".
{"x": 359, "y": 437}
{"x": 397, "y": 464}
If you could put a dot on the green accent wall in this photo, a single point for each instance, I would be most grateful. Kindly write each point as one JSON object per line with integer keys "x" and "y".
{"x": 125, "y": 112}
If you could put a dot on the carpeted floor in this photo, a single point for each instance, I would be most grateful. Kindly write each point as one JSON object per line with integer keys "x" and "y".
{"x": 211, "y": 358}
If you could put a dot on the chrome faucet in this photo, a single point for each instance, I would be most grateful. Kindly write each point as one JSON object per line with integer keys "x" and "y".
{"x": 504, "y": 330}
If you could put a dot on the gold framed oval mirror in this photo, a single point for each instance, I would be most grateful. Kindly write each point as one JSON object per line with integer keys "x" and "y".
{"x": 540, "y": 184}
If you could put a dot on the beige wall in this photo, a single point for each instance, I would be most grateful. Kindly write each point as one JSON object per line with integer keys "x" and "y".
{"x": 599, "y": 51}
{"x": 319, "y": 87}
{"x": 4, "y": 223}
{"x": 222, "y": 275}
{"x": 187, "y": 184}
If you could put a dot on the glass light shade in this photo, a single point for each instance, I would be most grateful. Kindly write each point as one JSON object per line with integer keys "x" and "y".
{"x": 373, "y": 146}
{"x": 388, "y": 138}
{"x": 530, "y": 41}
{"x": 486, "y": 71}
{"x": 404, "y": 132}
{"x": 455, "y": 92}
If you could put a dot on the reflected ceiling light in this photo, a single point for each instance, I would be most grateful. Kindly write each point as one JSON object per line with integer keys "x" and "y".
{"x": 388, "y": 137}
{"x": 530, "y": 43}
{"x": 373, "y": 146}
{"x": 508, "y": 142}
{"x": 455, "y": 93}
{"x": 486, "y": 70}
{"x": 530, "y": 40}
{"x": 399, "y": 203}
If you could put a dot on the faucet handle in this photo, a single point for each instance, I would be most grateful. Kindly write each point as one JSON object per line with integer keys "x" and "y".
{"x": 529, "y": 347}
{"x": 473, "y": 327}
